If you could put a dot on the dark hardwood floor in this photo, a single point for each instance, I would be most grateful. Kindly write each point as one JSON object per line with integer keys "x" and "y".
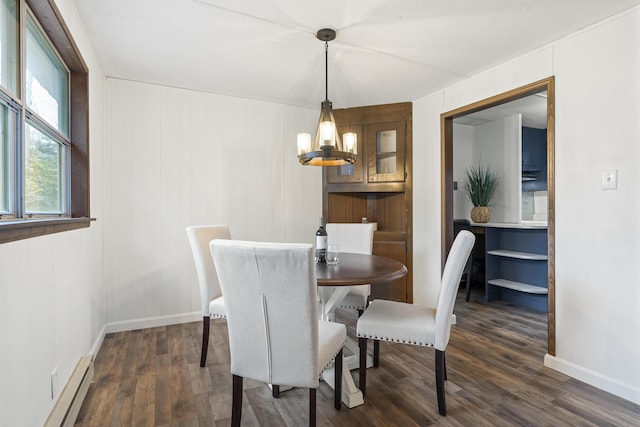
{"x": 495, "y": 372}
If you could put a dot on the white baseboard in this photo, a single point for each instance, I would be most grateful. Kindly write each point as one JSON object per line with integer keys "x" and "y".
{"x": 98, "y": 343}
{"x": 67, "y": 406}
{"x": 152, "y": 322}
{"x": 596, "y": 379}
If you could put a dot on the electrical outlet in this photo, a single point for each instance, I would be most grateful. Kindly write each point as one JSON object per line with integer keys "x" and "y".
{"x": 610, "y": 179}
{"x": 54, "y": 383}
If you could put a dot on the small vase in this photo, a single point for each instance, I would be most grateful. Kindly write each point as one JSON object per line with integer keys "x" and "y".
{"x": 480, "y": 214}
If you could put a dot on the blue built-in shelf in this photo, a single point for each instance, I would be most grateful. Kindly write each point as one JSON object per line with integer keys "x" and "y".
{"x": 517, "y": 265}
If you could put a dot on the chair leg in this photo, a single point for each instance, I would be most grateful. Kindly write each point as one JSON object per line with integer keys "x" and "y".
{"x": 468, "y": 286}
{"x": 337, "y": 397}
{"x": 362, "y": 369}
{"x": 312, "y": 407}
{"x": 444, "y": 366}
{"x": 275, "y": 390}
{"x": 376, "y": 353}
{"x": 206, "y": 322}
{"x": 442, "y": 406}
{"x": 236, "y": 405}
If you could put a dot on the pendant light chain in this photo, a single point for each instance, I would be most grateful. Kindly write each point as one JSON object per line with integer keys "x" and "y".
{"x": 326, "y": 70}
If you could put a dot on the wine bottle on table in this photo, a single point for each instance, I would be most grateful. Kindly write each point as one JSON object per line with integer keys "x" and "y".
{"x": 321, "y": 243}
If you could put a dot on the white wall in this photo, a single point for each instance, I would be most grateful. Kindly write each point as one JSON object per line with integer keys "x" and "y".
{"x": 597, "y": 128}
{"x": 179, "y": 158}
{"x": 497, "y": 146}
{"x": 597, "y": 247}
{"x": 463, "y": 137}
{"x": 52, "y": 290}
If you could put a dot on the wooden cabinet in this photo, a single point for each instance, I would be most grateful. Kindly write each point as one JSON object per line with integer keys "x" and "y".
{"x": 516, "y": 266}
{"x": 377, "y": 186}
{"x": 534, "y": 150}
{"x": 534, "y": 159}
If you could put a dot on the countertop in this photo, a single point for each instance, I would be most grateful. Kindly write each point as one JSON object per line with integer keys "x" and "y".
{"x": 523, "y": 225}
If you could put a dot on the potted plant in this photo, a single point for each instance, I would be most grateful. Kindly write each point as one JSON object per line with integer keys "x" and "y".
{"x": 480, "y": 183}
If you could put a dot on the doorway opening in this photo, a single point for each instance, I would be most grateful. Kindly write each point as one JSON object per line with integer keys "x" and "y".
{"x": 447, "y": 177}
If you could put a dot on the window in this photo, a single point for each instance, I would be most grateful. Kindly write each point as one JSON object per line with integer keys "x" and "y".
{"x": 9, "y": 45}
{"x": 46, "y": 145}
{"x": 44, "y": 170}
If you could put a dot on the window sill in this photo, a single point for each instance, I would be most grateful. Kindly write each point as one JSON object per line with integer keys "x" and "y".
{"x": 10, "y": 231}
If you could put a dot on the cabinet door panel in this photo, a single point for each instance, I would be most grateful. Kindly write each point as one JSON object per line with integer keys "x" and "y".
{"x": 387, "y": 209}
{"x": 347, "y": 207}
{"x": 386, "y": 151}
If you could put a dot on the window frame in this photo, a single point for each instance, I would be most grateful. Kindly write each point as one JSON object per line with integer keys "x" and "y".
{"x": 33, "y": 122}
{"x": 49, "y": 18}
{"x": 13, "y": 130}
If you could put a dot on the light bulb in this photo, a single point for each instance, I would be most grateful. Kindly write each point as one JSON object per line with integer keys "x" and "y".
{"x": 350, "y": 141}
{"x": 326, "y": 134}
{"x": 304, "y": 143}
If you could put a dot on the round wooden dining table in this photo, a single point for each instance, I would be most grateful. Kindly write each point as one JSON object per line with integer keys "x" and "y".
{"x": 359, "y": 269}
{"x": 334, "y": 282}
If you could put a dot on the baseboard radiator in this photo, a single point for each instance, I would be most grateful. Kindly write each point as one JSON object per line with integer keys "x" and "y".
{"x": 67, "y": 407}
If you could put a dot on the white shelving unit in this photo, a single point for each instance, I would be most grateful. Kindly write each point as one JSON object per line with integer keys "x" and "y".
{"x": 519, "y": 286}
{"x": 518, "y": 255}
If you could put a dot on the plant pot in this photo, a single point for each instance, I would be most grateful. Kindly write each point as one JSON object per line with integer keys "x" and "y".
{"x": 480, "y": 214}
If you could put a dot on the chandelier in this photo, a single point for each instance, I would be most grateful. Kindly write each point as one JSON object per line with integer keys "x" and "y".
{"x": 328, "y": 148}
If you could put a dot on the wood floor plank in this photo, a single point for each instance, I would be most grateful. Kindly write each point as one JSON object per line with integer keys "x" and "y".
{"x": 495, "y": 372}
{"x": 163, "y": 391}
{"x": 182, "y": 404}
{"x": 258, "y": 399}
{"x": 144, "y": 401}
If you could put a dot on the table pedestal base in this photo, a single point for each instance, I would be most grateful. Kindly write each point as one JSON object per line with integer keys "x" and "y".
{"x": 351, "y": 395}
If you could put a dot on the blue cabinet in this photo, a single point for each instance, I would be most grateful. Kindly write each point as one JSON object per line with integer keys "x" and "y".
{"x": 516, "y": 266}
{"x": 534, "y": 159}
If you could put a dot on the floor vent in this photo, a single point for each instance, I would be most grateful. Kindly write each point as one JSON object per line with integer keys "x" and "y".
{"x": 67, "y": 407}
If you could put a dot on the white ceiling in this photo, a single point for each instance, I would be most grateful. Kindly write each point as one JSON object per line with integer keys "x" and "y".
{"x": 385, "y": 50}
{"x": 533, "y": 109}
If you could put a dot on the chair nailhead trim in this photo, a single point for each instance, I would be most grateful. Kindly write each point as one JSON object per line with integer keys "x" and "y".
{"x": 372, "y": 337}
{"x": 334, "y": 356}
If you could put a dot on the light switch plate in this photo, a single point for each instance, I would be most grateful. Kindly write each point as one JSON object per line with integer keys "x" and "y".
{"x": 610, "y": 179}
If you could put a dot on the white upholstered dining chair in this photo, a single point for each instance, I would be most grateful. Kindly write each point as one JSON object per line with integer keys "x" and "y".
{"x": 415, "y": 324}
{"x": 210, "y": 294}
{"x": 358, "y": 239}
{"x": 274, "y": 333}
